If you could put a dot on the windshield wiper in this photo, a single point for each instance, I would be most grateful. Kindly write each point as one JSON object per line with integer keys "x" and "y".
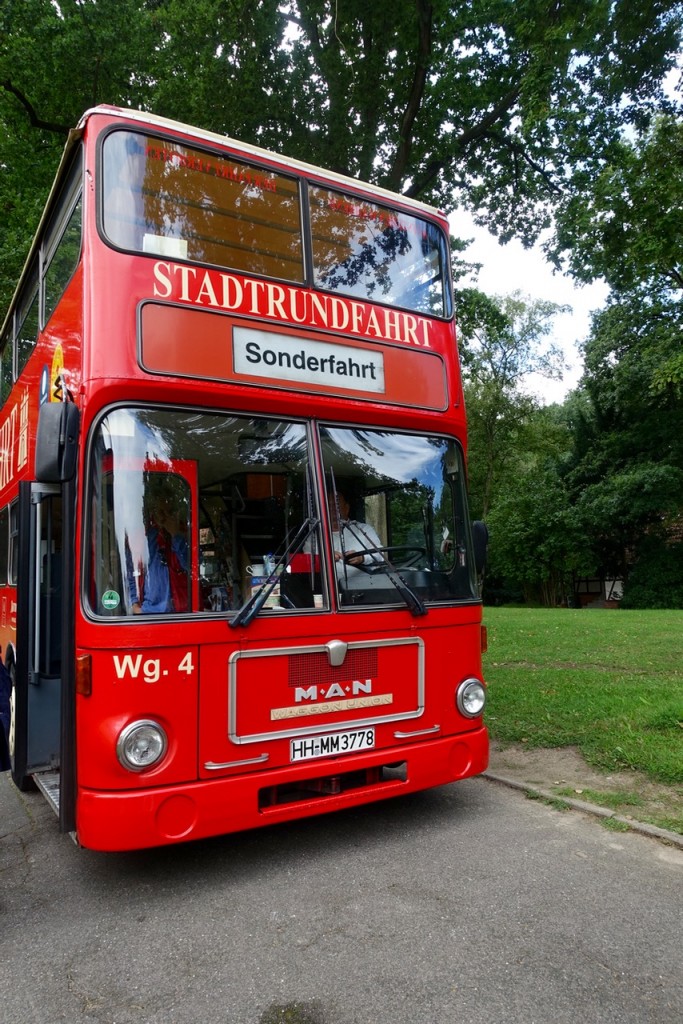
{"x": 253, "y": 605}
{"x": 415, "y": 604}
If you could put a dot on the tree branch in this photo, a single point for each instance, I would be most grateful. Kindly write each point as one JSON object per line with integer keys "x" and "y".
{"x": 465, "y": 139}
{"x": 424, "y": 50}
{"x": 36, "y": 122}
{"x": 521, "y": 152}
{"x": 676, "y": 276}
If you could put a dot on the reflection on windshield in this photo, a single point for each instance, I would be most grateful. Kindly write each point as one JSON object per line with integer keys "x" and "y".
{"x": 195, "y": 513}
{"x": 373, "y": 252}
{"x": 398, "y": 516}
{"x": 173, "y": 200}
{"x": 241, "y": 490}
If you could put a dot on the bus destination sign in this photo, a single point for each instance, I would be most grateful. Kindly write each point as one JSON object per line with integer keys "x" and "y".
{"x": 214, "y": 346}
{"x": 267, "y": 353}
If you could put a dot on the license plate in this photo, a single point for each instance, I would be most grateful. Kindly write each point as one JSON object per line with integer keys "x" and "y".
{"x": 331, "y": 744}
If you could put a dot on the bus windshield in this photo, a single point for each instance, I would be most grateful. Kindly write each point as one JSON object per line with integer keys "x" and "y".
{"x": 164, "y": 198}
{"x": 397, "y": 515}
{"x": 192, "y": 511}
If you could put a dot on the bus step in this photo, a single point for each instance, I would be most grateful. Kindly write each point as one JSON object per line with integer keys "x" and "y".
{"x": 48, "y": 784}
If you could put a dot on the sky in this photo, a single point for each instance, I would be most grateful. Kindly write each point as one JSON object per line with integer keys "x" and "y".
{"x": 508, "y": 268}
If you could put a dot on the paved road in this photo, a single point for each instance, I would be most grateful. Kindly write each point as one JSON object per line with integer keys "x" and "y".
{"x": 465, "y": 904}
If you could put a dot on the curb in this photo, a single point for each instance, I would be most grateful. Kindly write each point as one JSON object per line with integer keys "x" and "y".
{"x": 652, "y": 831}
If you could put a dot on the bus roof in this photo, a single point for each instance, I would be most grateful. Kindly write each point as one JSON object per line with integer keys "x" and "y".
{"x": 258, "y": 153}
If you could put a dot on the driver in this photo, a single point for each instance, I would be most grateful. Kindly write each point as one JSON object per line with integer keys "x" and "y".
{"x": 352, "y": 538}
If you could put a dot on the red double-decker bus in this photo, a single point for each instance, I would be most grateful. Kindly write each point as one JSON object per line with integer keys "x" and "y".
{"x": 237, "y": 574}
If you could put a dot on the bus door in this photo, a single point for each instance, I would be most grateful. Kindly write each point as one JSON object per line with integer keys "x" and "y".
{"x": 38, "y": 712}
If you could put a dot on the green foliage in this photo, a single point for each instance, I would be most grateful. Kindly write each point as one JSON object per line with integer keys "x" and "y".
{"x": 632, "y": 499}
{"x": 656, "y": 579}
{"x": 502, "y": 340}
{"x": 625, "y": 474}
{"x": 55, "y": 61}
{"x": 633, "y": 340}
{"x": 503, "y": 108}
{"x": 515, "y": 449}
{"x": 536, "y": 539}
{"x": 534, "y": 115}
{"x": 668, "y": 377}
{"x": 627, "y": 227}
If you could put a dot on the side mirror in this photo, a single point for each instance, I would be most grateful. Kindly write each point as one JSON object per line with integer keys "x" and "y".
{"x": 480, "y": 539}
{"x": 57, "y": 442}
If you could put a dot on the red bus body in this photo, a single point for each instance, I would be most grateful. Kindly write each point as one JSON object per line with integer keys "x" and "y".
{"x": 261, "y": 721}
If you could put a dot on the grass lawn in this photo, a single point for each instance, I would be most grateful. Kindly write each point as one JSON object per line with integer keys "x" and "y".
{"x": 608, "y": 682}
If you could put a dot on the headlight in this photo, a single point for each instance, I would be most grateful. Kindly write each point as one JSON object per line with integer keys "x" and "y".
{"x": 141, "y": 745}
{"x": 470, "y": 698}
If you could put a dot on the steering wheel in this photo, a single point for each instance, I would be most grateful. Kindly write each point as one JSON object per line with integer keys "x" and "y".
{"x": 408, "y": 561}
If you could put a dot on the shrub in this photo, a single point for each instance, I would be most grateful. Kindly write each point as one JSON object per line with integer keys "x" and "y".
{"x": 656, "y": 580}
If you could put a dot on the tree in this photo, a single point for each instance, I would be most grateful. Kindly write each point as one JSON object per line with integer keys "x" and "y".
{"x": 55, "y": 61}
{"x": 502, "y": 341}
{"x": 626, "y": 227}
{"x": 537, "y": 541}
{"x": 656, "y": 580}
{"x": 504, "y": 108}
{"x": 537, "y": 116}
{"x": 626, "y": 474}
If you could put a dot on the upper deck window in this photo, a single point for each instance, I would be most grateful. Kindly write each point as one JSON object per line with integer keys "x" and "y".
{"x": 28, "y": 322}
{"x": 165, "y": 198}
{"x": 161, "y": 197}
{"x": 373, "y": 252}
{"x": 61, "y": 260}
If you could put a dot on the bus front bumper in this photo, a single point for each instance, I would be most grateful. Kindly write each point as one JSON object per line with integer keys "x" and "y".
{"x": 141, "y": 818}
